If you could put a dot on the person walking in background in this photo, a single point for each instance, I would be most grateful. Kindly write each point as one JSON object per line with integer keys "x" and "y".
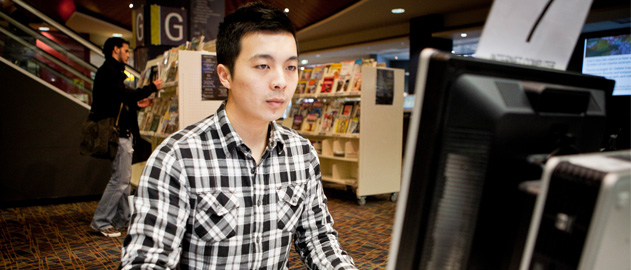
{"x": 109, "y": 91}
{"x": 233, "y": 190}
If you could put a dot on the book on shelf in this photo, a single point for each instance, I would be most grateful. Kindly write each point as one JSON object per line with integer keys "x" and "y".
{"x": 313, "y": 116}
{"x": 311, "y": 87}
{"x": 305, "y": 74}
{"x": 169, "y": 65}
{"x": 310, "y": 122}
{"x": 327, "y": 84}
{"x": 155, "y": 74}
{"x": 173, "y": 117}
{"x": 330, "y": 114}
{"x": 353, "y": 126}
{"x": 302, "y": 87}
{"x": 297, "y": 123}
{"x": 155, "y": 121}
{"x": 141, "y": 118}
{"x": 146, "y": 123}
{"x": 197, "y": 43}
{"x": 317, "y": 73}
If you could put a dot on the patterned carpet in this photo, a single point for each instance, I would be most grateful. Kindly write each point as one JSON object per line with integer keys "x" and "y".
{"x": 59, "y": 236}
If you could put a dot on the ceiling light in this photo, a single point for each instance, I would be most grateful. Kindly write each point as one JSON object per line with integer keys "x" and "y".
{"x": 117, "y": 35}
{"x": 396, "y": 58}
{"x": 286, "y": 10}
{"x": 44, "y": 29}
{"x": 131, "y": 5}
{"x": 304, "y": 61}
{"x": 463, "y": 35}
{"x": 398, "y": 10}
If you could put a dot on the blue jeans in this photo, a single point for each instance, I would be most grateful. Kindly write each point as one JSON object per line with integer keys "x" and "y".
{"x": 113, "y": 209}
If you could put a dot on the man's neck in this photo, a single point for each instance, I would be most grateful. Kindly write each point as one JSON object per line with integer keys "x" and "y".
{"x": 253, "y": 133}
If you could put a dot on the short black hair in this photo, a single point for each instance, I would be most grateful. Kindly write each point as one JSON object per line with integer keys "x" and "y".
{"x": 249, "y": 18}
{"x": 112, "y": 42}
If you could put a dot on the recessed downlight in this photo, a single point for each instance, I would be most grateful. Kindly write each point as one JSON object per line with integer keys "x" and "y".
{"x": 398, "y": 10}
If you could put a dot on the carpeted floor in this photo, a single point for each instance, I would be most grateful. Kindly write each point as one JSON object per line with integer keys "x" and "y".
{"x": 59, "y": 236}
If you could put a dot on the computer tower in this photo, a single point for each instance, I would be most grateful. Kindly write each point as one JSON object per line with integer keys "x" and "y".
{"x": 582, "y": 214}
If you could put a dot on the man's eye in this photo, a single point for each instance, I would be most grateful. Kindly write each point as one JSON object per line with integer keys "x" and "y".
{"x": 292, "y": 68}
{"x": 262, "y": 67}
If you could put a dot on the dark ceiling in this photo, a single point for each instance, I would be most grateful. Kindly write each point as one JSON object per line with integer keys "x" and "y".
{"x": 302, "y": 12}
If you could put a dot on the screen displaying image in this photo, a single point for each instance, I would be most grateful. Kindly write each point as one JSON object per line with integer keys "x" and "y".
{"x": 610, "y": 57}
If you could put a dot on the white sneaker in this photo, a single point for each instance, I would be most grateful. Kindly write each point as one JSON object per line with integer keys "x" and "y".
{"x": 109, "y": 232}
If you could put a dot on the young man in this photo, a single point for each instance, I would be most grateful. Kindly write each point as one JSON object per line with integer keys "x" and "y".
{"x": 231, "y": 191}
{"x": 109, "y": 91}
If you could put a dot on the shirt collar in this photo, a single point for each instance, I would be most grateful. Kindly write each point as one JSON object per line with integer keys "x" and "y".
{"x": 232, "y": 140}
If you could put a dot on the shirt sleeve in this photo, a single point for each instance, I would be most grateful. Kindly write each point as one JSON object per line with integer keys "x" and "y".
{"x": 161, "y": 208}
{"x": 316, "y": 241}
{"x": 134, "y": 95}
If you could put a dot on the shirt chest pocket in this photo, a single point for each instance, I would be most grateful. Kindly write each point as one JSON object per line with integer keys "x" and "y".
{"x": 290, "y": 205}
{"x": 216, "y": 216}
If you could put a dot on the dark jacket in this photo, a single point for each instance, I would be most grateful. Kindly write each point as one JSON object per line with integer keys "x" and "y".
{"x": 109, "y": 91}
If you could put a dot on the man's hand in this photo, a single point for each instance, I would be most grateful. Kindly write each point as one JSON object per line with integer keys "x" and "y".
{"x": 143, "y": 103}
{"x": 158, "y": 83}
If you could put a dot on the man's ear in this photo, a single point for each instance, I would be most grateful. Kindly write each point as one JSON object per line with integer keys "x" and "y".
{"x": 224, "y": 75}
{"x": 115, "y": 51}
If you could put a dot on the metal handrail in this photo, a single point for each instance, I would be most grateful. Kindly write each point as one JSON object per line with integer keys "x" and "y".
{"x": 70, "y": 33}
{"x": 49, "y": 42}
{"x": 47, "y": 56}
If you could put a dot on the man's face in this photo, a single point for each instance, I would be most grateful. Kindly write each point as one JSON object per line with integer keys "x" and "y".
{"x": 264, "y": 78}
{"x": 121, "y": 53}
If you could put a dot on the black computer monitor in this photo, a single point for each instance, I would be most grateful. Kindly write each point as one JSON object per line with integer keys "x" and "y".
{"x": 479, "y": 130}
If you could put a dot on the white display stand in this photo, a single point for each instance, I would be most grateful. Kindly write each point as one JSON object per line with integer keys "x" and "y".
{"x": 376, "y": 169}
{"x": 188, "y": 90}
{"x": 191, "y": 106}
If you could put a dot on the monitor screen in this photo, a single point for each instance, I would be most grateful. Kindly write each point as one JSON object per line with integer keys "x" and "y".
{"x": 480, "y": 129}
{"x": 609, "y": 56}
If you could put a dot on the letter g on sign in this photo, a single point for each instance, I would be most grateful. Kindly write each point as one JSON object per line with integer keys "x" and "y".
{"x": 177, "y": 26}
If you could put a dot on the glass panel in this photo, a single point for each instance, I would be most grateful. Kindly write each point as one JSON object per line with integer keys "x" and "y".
{"x": 37, "y": 44}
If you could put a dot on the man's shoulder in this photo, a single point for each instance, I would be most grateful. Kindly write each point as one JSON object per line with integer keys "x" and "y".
{"x": 290, "y": 136}
{"x": 190, "y": 135}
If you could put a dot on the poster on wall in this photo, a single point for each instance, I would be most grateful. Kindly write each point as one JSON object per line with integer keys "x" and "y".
{"x": 385, "y": 87}
{"x": 205, "y": 18}
{"x": 212, "y": 89}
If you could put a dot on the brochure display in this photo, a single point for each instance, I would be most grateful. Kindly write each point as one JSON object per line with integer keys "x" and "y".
{"x": 184, "y": 97}
{"x": 357, "y": 131}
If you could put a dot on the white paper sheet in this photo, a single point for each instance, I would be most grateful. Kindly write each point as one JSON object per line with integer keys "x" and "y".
{"x": 533, "y": 32}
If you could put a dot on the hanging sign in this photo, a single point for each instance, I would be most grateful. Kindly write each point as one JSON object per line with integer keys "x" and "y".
{"x": 533, "y": 32}
{"x": 138, "y": 27}
{"x": 168, "y": 25}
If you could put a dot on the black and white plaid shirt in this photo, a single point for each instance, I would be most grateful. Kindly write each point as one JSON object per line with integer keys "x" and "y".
{"x": 204, "y": 203}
